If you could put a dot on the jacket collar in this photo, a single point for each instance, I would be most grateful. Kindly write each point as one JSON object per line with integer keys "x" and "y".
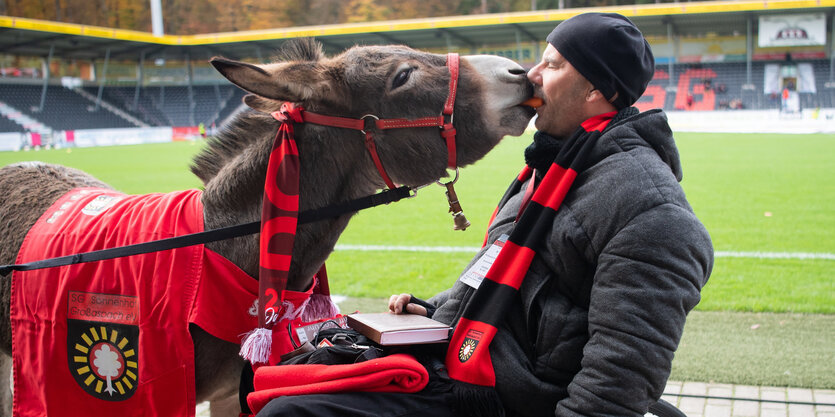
{"x": 650, "y": 128}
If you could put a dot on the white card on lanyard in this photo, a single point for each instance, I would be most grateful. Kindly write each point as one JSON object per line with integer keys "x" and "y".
{"x": 478, "y": 271}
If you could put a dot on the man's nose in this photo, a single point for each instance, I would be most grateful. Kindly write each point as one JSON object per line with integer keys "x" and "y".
{"x": 534, "y": 75}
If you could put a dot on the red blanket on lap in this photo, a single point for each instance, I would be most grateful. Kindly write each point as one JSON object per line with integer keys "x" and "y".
{"x": 395, "y": 373}
{"x": 111, "y": 338}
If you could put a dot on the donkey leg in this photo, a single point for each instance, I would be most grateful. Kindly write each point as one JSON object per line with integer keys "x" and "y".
{"x": 229, "y": 406}
{"x": 5, "y": 385}
{"x": 217, "y": 369}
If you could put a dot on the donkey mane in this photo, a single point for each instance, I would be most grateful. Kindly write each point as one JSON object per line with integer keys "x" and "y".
{"x": 243, "y": 131}
{"x": 249, "y": 127}
{"x": 302, "y": 49}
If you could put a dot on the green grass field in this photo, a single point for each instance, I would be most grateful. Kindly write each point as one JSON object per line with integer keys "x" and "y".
{"x": 761, "y": 321}
{"x": 754, "y": 192}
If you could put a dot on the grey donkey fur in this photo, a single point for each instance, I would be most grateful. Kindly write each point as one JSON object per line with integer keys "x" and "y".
{"x": 387, "y": 81}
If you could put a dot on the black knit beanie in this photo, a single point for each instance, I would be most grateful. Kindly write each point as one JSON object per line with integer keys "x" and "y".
{"x": 610, "y": 51}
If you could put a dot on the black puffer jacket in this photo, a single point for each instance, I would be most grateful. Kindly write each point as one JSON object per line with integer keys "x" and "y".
{"x": 602, "y": 308}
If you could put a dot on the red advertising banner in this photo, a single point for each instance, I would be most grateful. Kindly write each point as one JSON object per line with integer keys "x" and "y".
{"x": 181, "y": 133}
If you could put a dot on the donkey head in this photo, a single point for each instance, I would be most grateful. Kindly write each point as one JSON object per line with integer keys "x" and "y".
{"x": 395, "y": 82}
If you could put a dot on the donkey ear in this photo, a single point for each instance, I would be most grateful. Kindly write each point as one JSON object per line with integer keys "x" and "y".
{"x": 284, "y": 81}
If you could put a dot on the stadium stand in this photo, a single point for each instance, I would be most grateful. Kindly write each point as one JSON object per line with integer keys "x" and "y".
{"x": 145, "y": 108}
{"x": 691, "y": 87}
{"x": 7, "y": 125}
{"x": 707, "y": 41}
{"x": 719, "y": 86}
{"x": 63, "y": 108}
{"x": 66, "y": 109}
{"x": 209, "y": 101}
{"x": 169, "y": 105}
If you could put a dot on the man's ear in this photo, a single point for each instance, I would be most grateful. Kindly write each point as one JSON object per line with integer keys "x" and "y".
{"x": 595, "y": 95}
{"x": 597, "y": 98}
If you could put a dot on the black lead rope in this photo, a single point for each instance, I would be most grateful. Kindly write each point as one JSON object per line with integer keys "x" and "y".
{"x": 229, "y": 232}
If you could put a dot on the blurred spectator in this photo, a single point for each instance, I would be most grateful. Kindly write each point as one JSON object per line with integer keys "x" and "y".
{"x": 10, "y": 72}
{"x": 20, "y": 72}
{"x": 785, "y": 102}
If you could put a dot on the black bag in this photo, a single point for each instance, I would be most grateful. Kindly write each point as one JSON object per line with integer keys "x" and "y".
{"x": 347, "y": 346}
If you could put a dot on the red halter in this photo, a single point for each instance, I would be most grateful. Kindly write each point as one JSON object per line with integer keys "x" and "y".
{"x": 447, "y": 129}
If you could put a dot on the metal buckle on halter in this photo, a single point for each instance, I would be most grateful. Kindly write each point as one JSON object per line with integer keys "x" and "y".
{"x": 454, "y": 180}
{"x": 451, "y": 117}
{"x": 447, "y": 126}
{"x": 414, "y": 190}
{"x": 367, "y": 116}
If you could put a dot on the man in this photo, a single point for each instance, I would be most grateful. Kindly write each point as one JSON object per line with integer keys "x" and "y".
{"x": 591, "y": 324}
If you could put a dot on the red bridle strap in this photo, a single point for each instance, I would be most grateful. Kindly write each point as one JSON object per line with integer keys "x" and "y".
{"x": 448, "y": 132}
{"x": 333, "y": 121}
{"x": 372, "y": 150}
{"x": 447, "y": 129}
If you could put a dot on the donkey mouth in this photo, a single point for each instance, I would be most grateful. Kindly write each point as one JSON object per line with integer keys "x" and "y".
{"x": 529, "y": 110}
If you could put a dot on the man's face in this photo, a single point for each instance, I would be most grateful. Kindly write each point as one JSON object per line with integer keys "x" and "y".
{"x": 563, "y": 91}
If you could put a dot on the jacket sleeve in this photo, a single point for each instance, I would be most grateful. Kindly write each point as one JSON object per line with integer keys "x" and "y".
{"x": 648, "y": 277}
{"x": 440, "y": 298}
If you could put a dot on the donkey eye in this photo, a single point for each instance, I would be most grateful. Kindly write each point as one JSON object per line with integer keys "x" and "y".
{"x": 401, "y": 78}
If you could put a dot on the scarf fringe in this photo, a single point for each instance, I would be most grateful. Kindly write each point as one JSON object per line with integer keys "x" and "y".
{"x": 476, "y": 400}
{"x": 319, "y": 306}
{"x": 256, "y": 345}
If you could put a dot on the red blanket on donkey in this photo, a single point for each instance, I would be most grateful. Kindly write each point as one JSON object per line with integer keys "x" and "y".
{"x": 111, "y": 338}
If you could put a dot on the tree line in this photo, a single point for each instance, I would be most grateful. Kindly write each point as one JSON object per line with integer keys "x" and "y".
{"x": 185, "y": 17}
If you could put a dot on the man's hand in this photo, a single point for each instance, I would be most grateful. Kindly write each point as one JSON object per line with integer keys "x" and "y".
{"x": 400, "y": 304}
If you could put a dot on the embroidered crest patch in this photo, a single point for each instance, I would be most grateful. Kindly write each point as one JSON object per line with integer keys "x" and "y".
{"x": 100, "y": 204}
{"x": 102, "y": 344}
{"x": 468, "y": 346}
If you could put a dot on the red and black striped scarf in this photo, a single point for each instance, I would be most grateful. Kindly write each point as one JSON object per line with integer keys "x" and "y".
{"x": 468, "y": 356}
{"x": 277, "y": 306}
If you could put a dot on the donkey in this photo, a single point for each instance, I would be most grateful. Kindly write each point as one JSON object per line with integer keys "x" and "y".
{"x": 385, "y": 81}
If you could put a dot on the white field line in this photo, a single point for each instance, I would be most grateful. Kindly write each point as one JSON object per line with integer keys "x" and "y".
{"x": 473, "y": 249}
{"x": 389, "y": 248}
{"x": 775, "y": 255}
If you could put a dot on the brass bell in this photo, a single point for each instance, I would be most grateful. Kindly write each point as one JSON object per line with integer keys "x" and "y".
{"x": 460, "y": 221}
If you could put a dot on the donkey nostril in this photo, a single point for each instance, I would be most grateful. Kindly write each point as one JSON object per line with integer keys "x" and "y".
{"x": 517, "y": 71}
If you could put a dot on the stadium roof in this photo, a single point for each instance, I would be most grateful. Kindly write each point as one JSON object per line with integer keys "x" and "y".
{"x": 31, "y": 37}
